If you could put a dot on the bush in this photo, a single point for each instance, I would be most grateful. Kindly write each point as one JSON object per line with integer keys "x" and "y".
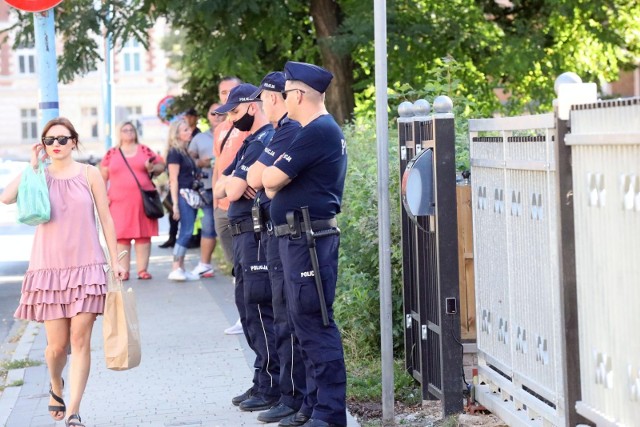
{"x": 357, "y": 307}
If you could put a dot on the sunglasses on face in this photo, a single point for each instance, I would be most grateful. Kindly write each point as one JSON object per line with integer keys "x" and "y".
{"x": 286, "y": 92}
{"x": 62, "y": 140}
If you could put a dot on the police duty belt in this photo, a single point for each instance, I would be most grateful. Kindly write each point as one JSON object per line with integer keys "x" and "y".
{"x": 317, "y": 226}
{"x": 240, "y": 228}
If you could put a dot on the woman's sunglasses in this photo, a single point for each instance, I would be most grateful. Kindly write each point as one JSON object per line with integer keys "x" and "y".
{"x": 62, "y": 140}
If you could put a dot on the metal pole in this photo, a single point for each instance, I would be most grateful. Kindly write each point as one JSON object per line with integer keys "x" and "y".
{"x": 108, "y": 109}
{"x": 45, "y": 35}
{"x": 384, "y": 245}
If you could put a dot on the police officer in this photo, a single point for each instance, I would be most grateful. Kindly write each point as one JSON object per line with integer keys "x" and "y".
{"x": 310, "y": 173}
{"x": 292, "y": 371}
{"x": 253, "y": 290}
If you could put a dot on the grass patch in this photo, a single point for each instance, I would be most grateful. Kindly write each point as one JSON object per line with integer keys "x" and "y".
{"x": 450, "y": 421}
{"x": 17, "y": 383}
{"x": 19, "y": 364}
{"x": 364, "y": 382}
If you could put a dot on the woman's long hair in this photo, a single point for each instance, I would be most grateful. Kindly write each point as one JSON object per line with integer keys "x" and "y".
{"x": 135, "y": 131}
{"x": 173, "y": 141}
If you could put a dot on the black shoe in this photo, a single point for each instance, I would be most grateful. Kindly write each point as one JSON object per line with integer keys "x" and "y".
{"x": 276, "y": 413}
{"x": 168, "y": 244}
{"x": 294, "y": 420}
{"x": 242, "y": 397}
{"x": 257, "y": 403}
{"x": 319, "y": 423}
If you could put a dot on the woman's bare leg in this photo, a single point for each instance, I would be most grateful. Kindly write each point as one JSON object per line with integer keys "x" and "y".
{"x": 56, "y": 356}
{"x": 81, "y": 328}
{"x": 143, "y": 249}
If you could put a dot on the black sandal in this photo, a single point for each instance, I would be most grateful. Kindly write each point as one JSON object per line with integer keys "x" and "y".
{"x": 57, "y": 408}
{"x": 71, "y": 421}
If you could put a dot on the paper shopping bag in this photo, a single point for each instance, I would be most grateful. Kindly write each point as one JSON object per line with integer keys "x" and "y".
{"x": 120, "y": 329}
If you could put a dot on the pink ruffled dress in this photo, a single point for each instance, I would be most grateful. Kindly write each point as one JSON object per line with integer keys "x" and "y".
{"x": 66, "y": 273}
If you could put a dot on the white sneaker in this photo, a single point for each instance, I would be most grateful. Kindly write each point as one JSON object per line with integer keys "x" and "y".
{"x": 234, "y": 329}
{"x": 190, "y": 277}
{"x": 177, "y": 275}
{"x": 203, "y": 270}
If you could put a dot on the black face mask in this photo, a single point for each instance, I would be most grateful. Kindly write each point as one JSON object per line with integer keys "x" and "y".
{"x": 245, "y": 122}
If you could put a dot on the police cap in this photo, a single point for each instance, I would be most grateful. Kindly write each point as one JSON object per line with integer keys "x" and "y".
{"x": 238, "y": 95}
{"x": 273, "y": 81}
{"x": 312, "y": 75}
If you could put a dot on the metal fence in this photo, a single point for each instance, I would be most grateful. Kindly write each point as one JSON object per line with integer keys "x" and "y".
{"x": 556, "y": 246}
{"x": 518, "y": 288}
{"x": 605, "y": 148}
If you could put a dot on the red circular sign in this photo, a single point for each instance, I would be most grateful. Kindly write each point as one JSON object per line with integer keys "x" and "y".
{"x": 33, "y": 5}
{"x": 163, "y": 107}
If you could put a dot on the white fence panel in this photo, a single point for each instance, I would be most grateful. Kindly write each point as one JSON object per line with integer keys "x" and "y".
{"x": 516, "y": 265}
{"x": 605, "y": 147}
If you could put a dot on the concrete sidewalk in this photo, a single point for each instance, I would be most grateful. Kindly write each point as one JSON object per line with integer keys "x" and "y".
{"x": 189, "y": 369}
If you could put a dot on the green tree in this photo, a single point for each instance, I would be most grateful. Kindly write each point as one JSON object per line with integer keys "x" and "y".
{"x": 514, "y": 46}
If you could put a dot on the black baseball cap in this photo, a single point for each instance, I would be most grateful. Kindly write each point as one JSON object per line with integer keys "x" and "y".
{"x": 273, "y": 81}
{"x": 238, "y": 95}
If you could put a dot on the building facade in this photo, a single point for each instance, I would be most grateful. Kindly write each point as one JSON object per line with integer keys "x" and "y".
{"x": 141, "y": 79}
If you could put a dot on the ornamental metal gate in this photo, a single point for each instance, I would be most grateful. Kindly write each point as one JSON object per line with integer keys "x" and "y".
{"x": 433, "y": 350}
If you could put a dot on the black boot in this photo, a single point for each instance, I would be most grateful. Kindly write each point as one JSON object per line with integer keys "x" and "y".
{"x": 168, "y": 244}
{"x": 173, "y": 233}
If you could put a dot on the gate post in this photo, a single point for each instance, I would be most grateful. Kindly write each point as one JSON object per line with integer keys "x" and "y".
{"x": 447, "y": 251}
{"x": 567, "y": 265}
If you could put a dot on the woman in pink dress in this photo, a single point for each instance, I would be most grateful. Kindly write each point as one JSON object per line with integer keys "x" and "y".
{"x": 65, "y": 284}
{"x": 125, "y": 201}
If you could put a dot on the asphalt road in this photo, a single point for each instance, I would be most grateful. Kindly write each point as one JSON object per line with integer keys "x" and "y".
{"x": 15, "y": 249}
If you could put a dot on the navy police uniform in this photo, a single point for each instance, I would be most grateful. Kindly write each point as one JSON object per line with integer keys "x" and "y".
{"x": 292, "y": 370}
{"x": 316, "y": 163}
{"x": 253, "y": 290}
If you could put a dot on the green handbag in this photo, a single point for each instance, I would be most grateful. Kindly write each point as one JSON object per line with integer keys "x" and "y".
{"x": 33, "y": 197}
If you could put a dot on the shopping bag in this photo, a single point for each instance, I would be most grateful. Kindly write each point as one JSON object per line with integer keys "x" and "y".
{"x": 33, "y": 197}
{"x": 120, "y": 328}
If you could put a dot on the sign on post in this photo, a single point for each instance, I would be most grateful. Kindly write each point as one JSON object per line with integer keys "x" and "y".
{"x": 163, "y": 108}
{"x": 33, "y": 5}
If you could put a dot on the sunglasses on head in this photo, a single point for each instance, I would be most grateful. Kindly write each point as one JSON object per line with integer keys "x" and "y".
{"x": 62, "y": 140}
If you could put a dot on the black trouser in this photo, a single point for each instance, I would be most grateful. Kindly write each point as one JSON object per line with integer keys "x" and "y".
{"x": 321, "y": 345}
{"x": 173, "y": 228}
{"x": 253, "y": 300}
{"x": 292, "y": 370}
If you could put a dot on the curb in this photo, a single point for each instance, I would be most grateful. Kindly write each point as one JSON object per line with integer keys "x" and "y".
{"x": 10, "y": 395}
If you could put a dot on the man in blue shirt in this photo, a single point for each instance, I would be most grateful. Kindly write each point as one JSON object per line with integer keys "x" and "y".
{"x": 292, "y": 370}
{"x": 310, "y": 173}
{"x": 253, "y": 290}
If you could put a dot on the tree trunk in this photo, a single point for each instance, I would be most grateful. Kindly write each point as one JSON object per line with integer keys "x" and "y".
{"x": 340, "y": 98}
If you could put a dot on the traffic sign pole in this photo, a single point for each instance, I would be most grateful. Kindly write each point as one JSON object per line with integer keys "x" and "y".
{"x": 47, "y": 66}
